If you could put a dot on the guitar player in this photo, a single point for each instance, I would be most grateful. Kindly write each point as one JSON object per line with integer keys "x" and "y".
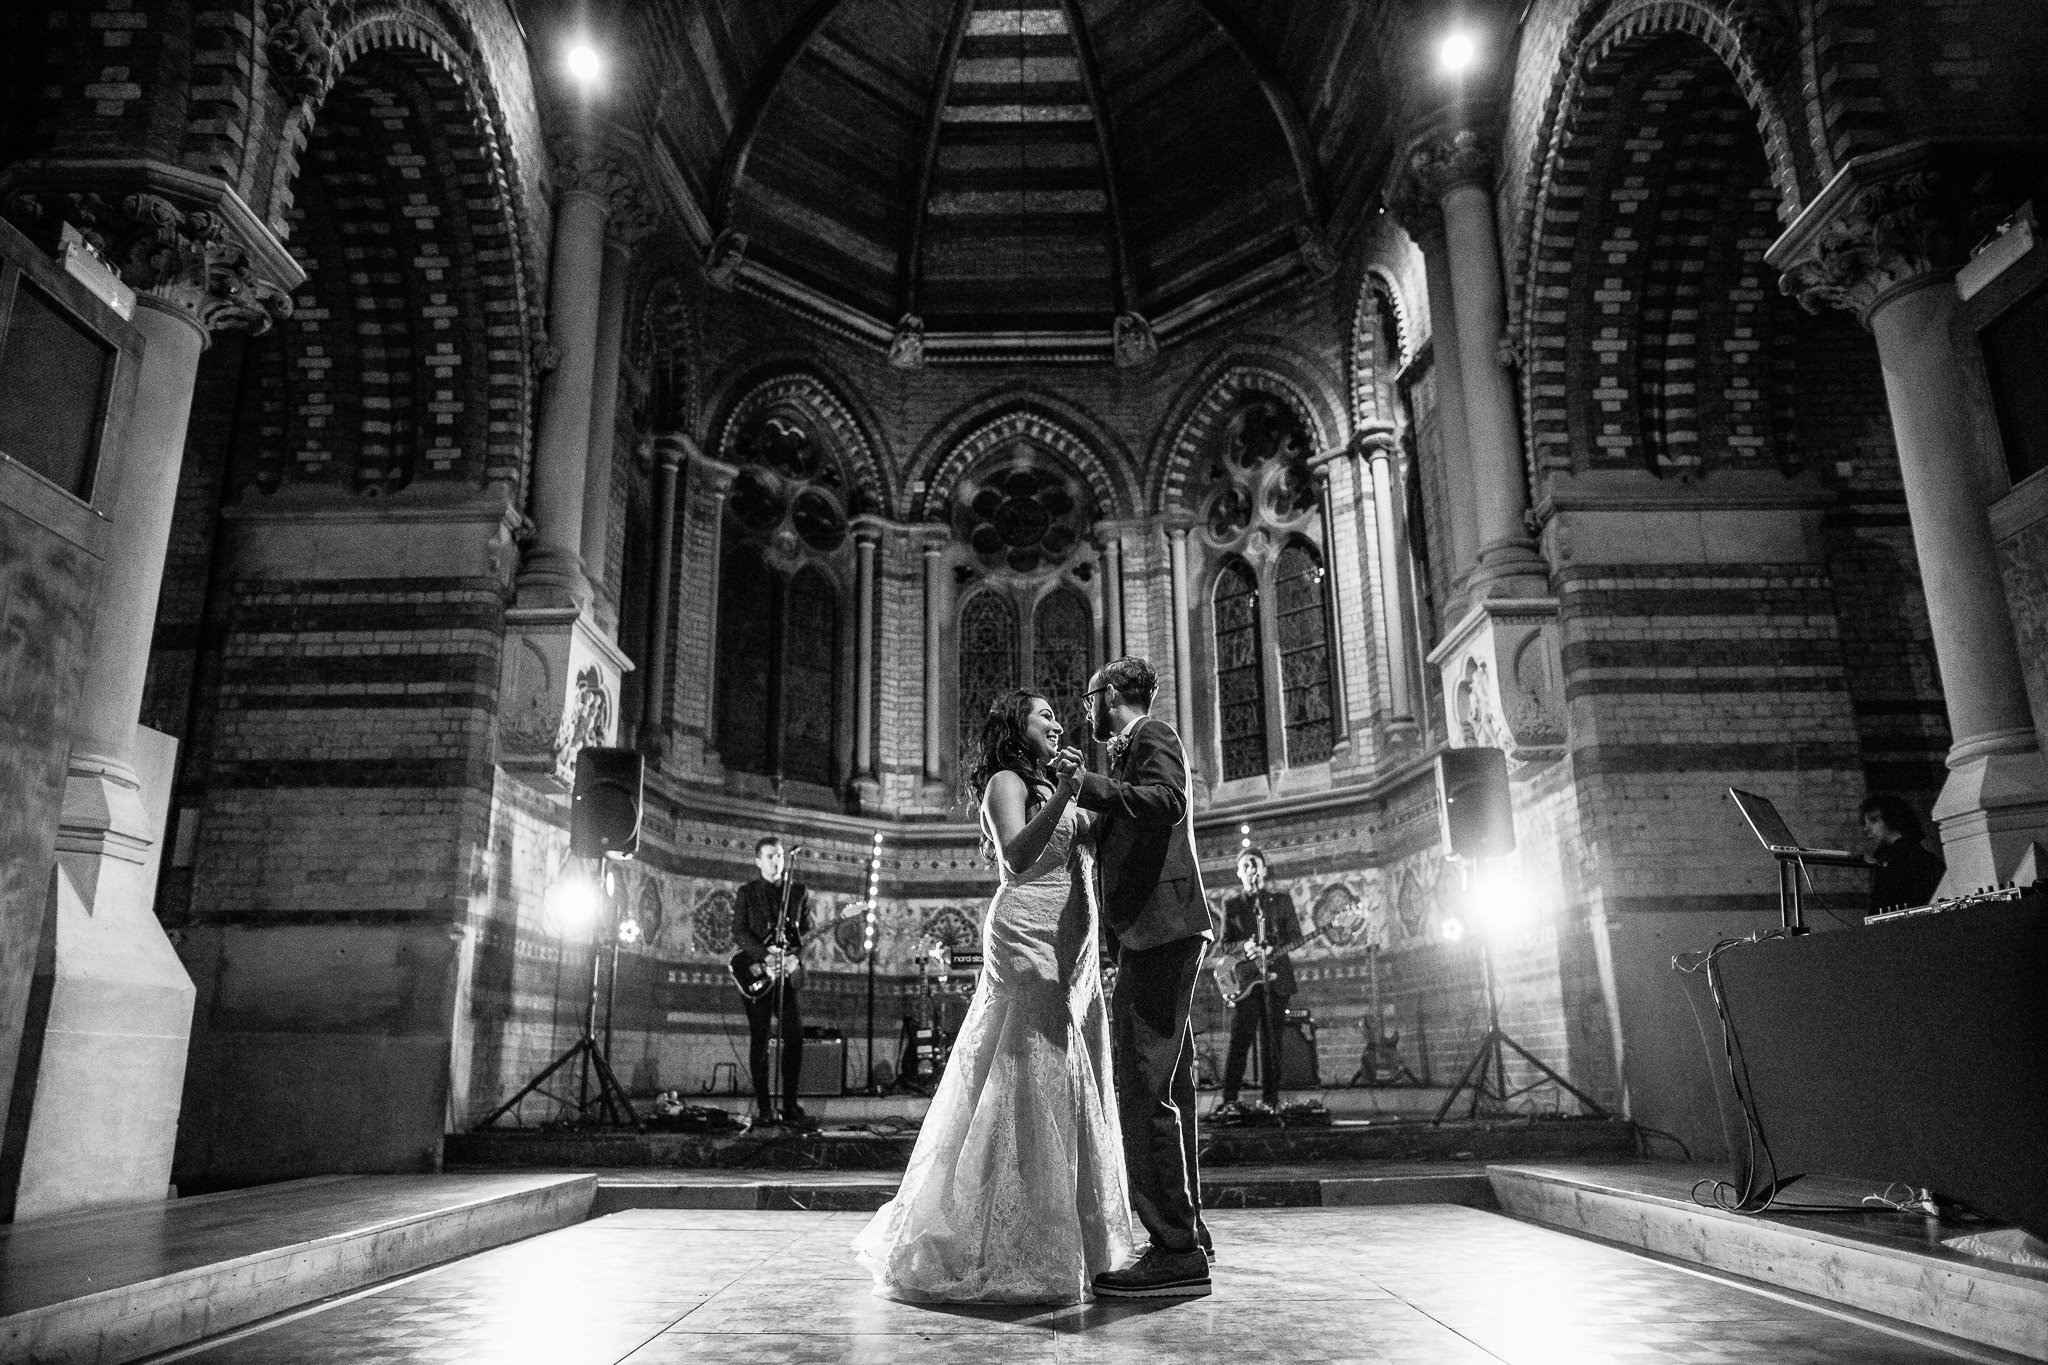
{"x": 770, "y": 916}
{"x": 1261, "y": 924}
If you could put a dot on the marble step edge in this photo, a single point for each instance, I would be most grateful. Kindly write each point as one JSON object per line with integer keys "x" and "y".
{"x": 1978, "y": 1303}
{"x": 1471, "y": 1189}
{"x": 127, "y": 1322}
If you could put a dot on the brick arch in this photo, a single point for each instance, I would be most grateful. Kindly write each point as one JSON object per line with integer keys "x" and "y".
{"x": 1752, "y": 38}
{"x": 1233, "y": 380}
{"x": 471, "y": 114}
{"x": 1650, "y": 327}
{"x": 806, "y": 392}
{"x": 389, "y": 369}
{"x": 1113, "y": 496}
{"x": 1381, "y": 312}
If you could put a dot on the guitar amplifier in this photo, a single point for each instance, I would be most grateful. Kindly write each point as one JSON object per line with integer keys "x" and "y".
{"x": 1299, "y": 1068}
{"x": 824, "y": 1065}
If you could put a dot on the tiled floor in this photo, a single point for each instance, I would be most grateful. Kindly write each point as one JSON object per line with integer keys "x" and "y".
{"x": 1420, "y": 1284}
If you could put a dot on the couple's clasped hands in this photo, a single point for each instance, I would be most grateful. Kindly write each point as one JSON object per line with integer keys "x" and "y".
{"x": 1066, "y": 768}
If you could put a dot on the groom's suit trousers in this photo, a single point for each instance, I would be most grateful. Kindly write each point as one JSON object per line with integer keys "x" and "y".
{"x": 1153, "y": 1050}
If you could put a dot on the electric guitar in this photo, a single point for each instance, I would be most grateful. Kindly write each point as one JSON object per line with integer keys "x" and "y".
{"x": 775, "y": 966}
{"x": 777, "y": 963}
{"x": 1249, "y": 964}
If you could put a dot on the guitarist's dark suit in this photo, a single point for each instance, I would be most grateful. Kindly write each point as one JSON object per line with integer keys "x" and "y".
{"x": 1152, "y": 903}
{"x": 1260, "y": 1012}
{"x": 754, "y": 912}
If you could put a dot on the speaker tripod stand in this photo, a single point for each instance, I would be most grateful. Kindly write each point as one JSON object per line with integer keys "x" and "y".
{"x": 1487, "y": 1074}
{"x": 608, "y": 1102}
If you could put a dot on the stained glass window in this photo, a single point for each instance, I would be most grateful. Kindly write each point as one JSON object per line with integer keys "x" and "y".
{"x": 746, "y": 660}
{"x": 1059, "y": 659}
{"x": 988, "y": 664}
{"x": 1299, "y": 616}
{"x": 810, "y": 634}
{"x": 1240, "y": 692}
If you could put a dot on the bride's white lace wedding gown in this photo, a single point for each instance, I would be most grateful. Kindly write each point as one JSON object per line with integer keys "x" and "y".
{"x": 1016, "y": 1191}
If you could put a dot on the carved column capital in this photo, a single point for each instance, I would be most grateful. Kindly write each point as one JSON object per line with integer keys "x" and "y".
{"x": 299, "y": 42}
{"x": 906, "y": 348}
{"x": 1890, "y": 223}
{"x": 185, "y": 260}
{"x": 607, "y": 171}
{"x": 1132, "y": 341}
{"x": 1440, "y": 162}
{"x": 723, "y": 257}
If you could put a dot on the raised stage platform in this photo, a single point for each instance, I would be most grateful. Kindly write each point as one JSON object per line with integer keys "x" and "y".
{"x": 1508, "y": 1263}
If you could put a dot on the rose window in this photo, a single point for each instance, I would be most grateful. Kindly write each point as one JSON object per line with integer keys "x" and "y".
{"x": 787, "y": 480}
{"x": 1022, "y": 518}
{"x": 1259, "y": 470}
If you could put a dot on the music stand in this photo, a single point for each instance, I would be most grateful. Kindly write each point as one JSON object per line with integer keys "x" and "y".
{"x": 1781, "y": 843}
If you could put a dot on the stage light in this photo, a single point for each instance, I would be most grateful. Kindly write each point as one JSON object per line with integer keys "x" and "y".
{"x": 629, "y": 930}
{"x": 1458, "y": 53}
{"x": 573, "y": 899}
{"x": 584, "y": 65}
{"x": 1499, "y": 899}
{"x": 1453, "y": 930}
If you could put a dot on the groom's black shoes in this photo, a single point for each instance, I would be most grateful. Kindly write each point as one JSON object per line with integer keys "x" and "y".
{"x": 1158, "y": 1275}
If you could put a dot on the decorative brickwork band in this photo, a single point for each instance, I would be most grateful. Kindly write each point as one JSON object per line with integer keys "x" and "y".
{"x": 1890, "y": 236}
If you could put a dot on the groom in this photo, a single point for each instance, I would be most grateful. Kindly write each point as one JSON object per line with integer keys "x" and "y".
{"x": 1152, "y": 901}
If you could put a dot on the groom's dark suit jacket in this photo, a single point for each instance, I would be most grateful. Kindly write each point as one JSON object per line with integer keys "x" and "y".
{"x": 1145, "y": 847}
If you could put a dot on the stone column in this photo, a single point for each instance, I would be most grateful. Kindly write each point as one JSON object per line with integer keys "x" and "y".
{"x": 628, "y": 221}
{"x": 1110, "y": 562}
{"x": 711, "y": 485}
{"x": 936, "y": 598}
{"x": 604, "y": 412}
{"x": 104, "y": 1108}
{"x": 1415, "y": 204}
{"x": 554, "y": 573}
{"x": 669, "y": 453}
{"x": 1183, "y": 649}
{"x": 1459, "y": 169}
{"x": 1883, "y": 240}
{"x": 867, "y": 537}
{"x": 1379, "y": 454}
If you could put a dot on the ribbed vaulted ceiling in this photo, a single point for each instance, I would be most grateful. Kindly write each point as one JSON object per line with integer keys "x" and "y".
{"x": 1026, "y": 167}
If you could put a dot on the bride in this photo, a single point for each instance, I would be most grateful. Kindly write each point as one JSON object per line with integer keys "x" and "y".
{"x": 1016, "y": 1191}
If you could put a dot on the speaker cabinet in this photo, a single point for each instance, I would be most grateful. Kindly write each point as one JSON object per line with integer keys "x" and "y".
{"x": 1475, "y": 812}
{"x": 604, "y": 808}
{"x": 1299, "y": 1069}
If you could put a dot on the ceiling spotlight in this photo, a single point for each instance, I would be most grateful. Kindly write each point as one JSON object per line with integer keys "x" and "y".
{"x": 1458, "y": 52}
{"x": 583, "y": 63}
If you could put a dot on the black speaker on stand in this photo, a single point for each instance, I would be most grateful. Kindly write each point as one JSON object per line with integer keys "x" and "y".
{"x": 1476, "y": 815}
{"x": 604, "y": 823}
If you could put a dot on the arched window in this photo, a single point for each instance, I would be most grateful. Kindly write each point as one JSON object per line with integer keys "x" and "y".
{"x": 747, "y": 637}
{"x": 1240, "y": 687}
{"x": 810, "y": 645}
{"x": 1059, "y": 658}
{"x": 1302, "y": 623}
{"x": 989, "y": 661}
{"x": 778, "y": 670}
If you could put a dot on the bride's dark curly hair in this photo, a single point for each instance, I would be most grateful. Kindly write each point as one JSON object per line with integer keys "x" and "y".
{"x": 1003, "y": 745}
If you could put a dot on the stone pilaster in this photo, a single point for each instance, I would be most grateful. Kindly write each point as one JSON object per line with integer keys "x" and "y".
{"x": 1883, "y": 240}
{"x": 119, "y": 1017}
{"x": 1456, "y": 169}
{"x": 670, "y": 452}
{"x": 1415, "y": 206}
{"x": 867, "y": 540}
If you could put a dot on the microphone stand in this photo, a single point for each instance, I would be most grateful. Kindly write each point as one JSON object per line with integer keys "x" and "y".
{"x": 782, "y": 977}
